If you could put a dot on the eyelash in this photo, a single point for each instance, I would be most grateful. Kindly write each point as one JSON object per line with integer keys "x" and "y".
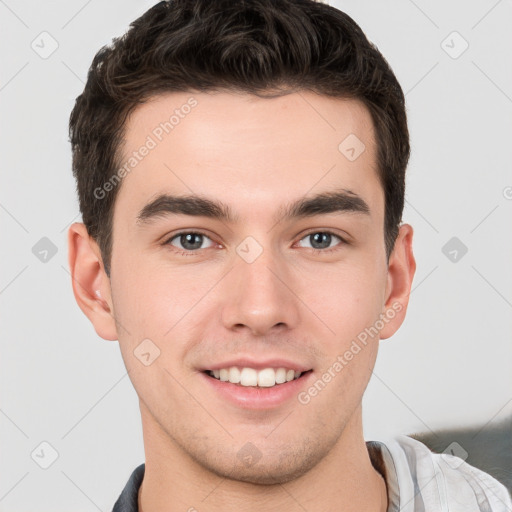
{"x": 198, "y": 232}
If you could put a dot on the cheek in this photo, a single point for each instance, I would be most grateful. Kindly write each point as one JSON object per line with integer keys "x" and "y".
{"x": 151, "y": 308}
{"x": 347, "y": 300}
{"x": 150, "y": 295}
{"x": 160, "y": 304}
{"x": 349, "y": 304}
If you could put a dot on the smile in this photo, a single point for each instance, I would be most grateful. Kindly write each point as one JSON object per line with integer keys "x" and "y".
{"x": 267, "y": 377}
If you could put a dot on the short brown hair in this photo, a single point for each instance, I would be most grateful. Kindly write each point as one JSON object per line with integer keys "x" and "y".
{"x": 253, "y": 46}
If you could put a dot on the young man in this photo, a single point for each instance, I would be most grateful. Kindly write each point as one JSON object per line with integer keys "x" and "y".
{"x": 240, "y": 170}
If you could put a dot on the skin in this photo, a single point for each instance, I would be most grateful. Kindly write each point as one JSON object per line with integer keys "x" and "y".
{"x": 255, "y": 155}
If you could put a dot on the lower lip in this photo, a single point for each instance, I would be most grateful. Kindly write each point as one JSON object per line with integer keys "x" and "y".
{"x": 251, "y": 397}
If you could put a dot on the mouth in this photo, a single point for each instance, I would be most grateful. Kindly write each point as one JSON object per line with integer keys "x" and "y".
{"x": 246, "y": 377}
{"x": 246, "y": 383}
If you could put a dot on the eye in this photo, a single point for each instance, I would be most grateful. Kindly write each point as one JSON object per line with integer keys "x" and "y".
{"x": 321, "y": 240}
{"x": 189, "y": 241}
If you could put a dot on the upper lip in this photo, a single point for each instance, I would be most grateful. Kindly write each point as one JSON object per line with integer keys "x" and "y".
{"x": 259, "y": 365}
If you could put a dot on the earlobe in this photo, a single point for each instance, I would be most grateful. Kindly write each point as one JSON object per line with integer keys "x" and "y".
{"x": 401, "y": 269}
{"x": 91, "y": 285}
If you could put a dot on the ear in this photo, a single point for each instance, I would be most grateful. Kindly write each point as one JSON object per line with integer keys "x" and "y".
{"x": 401, "y": 269}
{"x": 91, "y": 285}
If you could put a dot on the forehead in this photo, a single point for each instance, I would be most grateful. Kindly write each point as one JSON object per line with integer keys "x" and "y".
{"x": 252, "y": 153}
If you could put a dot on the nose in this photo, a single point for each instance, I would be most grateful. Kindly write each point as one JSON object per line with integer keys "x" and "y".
{"x": 259, "y": 297}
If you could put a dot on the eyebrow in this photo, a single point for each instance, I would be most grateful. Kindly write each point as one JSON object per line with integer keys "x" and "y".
{"x": 339, "y": 201}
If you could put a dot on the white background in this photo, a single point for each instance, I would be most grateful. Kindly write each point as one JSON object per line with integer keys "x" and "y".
{"x": 449, "y": 364}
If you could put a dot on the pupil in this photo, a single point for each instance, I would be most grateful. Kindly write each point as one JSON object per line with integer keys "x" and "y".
{"x": 317, "y": 237}
{"x": 187, "y": 241}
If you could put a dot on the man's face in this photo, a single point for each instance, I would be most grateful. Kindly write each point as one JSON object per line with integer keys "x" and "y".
{"x": 259, "y": 287}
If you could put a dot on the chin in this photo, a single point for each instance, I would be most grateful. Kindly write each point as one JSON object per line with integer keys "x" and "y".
{"x": 264, "y": 475}
{"x": 260, "y": 469}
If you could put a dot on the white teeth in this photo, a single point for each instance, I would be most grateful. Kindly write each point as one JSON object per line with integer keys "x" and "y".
{"x": 249, "y": 377}
{"x": 234, "y": 375}
{"x": 280, "y": 375}
{"x": 267, "y": 377}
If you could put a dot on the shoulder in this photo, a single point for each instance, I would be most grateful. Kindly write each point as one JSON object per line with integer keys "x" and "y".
{"x": 128, "y": 499}
{"x": 443, "y": 482}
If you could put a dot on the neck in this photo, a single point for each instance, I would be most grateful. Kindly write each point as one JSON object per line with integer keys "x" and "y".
{"x": 344, "y": 480}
